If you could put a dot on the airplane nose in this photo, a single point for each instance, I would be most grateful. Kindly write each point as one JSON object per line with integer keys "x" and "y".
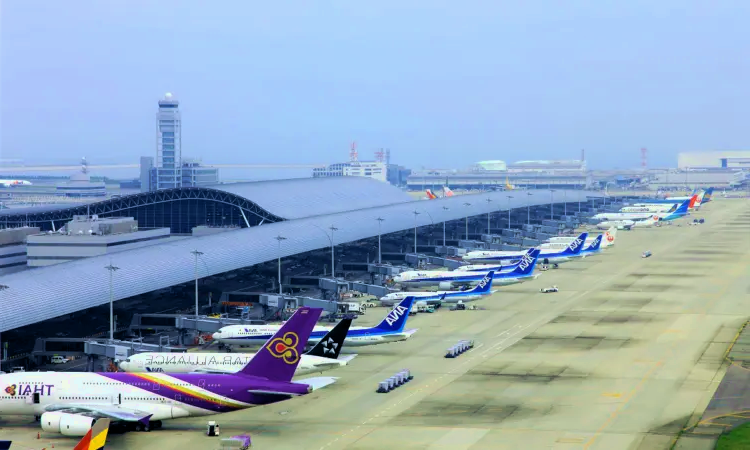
{"x": 122, "y": 365}
{"x": 216, "y": 335}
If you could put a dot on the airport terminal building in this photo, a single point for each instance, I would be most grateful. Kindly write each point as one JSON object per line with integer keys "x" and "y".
{"x": 310, "y": 214}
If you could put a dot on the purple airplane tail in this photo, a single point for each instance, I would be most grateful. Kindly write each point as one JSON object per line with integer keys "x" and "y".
{"x": 278, "y": 358}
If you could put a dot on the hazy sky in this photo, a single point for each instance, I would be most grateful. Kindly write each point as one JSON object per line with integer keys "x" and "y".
{"x": 442, "y": 84}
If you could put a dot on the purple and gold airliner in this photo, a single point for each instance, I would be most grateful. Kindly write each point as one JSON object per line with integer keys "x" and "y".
{"x": 70, "y": 403}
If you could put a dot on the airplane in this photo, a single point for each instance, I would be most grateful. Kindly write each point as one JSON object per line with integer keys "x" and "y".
{"x": 498, "y": 268}
{"x": 70, "y": 402}
{"x": 554, "y": 256}
{"x": 595, "y": 245}
{"x": 624, "y": 224}
{"x": 508, "y": 186}
{"x": 323, "y": 356}
{"x": 14, "y": 183}
{"x": 480, "y": 290}
{"x": 430, "y": 195}
{"x": 680, "y": 211}
{"x": 447, "y": 280}
{"x": 609, "y": 239}
{"x": 390, "y": 329}
{"x": 649, "y": 208}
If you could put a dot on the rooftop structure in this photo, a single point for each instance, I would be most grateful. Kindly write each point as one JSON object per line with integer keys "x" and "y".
{"x": 84, "y": 237}
{"x": 62, "y": 289}
{"x": 13, "y": 248}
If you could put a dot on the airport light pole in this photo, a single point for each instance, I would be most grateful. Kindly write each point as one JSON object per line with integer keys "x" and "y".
{"x": 280, "y": 238}
{"x": 467, "y": 221}
{"x": 551, "y": 203}
{"x": 196, "y": 253}
{"x": 112, "y": 269}
{"x": 565, "y": 201}
{"x": 416, "y": 213}
{"x": 380, "y": 253}
{"x": 2, "y": 352}
{"x": 488, "y": 200}
{"x": 445, "y": 208}
{"x": 509, "y": 197}
{"x": 333, "y": 259}
{"x": 528, "y": 210}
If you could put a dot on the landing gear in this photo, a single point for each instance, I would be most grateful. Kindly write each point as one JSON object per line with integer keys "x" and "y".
{"x": 141, "y": 427}
{"x": 156, "y": 424}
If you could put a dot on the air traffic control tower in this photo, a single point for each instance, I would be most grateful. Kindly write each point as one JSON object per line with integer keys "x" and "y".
{"x": 168, "y": 144}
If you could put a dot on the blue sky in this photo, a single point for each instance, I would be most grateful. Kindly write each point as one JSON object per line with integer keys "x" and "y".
{"x": 442, "y": 84}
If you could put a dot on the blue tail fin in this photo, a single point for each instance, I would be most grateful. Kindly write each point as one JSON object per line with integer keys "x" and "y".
{"x": 485, "y": 284}
{"x": 683, "y": 208}
{"x": 278, "y": 358}
{"x": 707, "y": 195}
{"x": 396, "y": 319}
{"x": 527, "y": 263}
{"x": 576, "y": 245}
{"x": 596, "y": 244}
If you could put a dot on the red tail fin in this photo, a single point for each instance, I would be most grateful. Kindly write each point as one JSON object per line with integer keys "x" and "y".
{"x": 692, "y": 201}
{"x": 84, "y": 443}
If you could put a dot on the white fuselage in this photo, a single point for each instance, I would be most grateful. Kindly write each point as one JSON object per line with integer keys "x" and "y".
{"x": 82, "y": 388}
{"x": 562, "y": 242}
{"x": 215, "y": 363}
{"x": 647, "y": 208}
{"x": 622, "y": 216}
{"x": 253, "y": 335}
{"x": 552, "y": 255}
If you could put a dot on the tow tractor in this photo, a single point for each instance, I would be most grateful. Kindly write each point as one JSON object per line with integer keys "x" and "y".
{"x": 646, "y": 254}
{"x": 212, "y": 429}
{"x": 548, "y": 289}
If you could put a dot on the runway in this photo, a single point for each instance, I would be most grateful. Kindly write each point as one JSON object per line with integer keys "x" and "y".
{"x": 621, "y": 358}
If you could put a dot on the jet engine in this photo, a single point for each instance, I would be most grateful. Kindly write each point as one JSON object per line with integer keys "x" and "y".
{"x": 445, "y": 286}
{"x": 66, "y": 424}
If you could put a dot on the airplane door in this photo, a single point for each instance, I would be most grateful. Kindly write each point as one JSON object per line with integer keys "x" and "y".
{"x": 202, "y": 384}
{"x": 178, "y": 398}
{"x": 116, "y": 399}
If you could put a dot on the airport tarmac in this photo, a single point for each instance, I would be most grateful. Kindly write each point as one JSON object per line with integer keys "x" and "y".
{"x": 621, "y": 358}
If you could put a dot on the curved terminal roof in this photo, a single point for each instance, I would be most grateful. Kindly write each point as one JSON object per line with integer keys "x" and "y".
{"x": 307, "y": 197}
{"x": 47, "y": 292}
{"x": 272, "y": 200}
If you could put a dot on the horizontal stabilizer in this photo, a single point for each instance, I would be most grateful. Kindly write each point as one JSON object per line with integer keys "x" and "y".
{"x": 267, "y": 392}
{"x": 317, "y": 382}
{"x": 347, "y": 358}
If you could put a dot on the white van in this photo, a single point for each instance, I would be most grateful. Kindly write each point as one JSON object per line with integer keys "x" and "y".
{"x": 58, "y": 360}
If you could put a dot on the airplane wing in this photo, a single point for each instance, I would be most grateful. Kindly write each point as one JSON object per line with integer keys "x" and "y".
{"x": 113, "y": 412}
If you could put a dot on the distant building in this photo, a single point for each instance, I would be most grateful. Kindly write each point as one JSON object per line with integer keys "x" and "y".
{"x": 194, "y": 174}
{"x": 720, "y": 178}
{"x": 84, "y": 237}
{"x": 168, "y": 144}
{"x": 169, "y": 170}
{"x": 332, "y": 170}
{"x": 377, "y": 170}
{"x": 370, "y": 169}
{"x": 716, "y": 159}
{"x": 492, "y": 165}
{"x": 80, "y": 185}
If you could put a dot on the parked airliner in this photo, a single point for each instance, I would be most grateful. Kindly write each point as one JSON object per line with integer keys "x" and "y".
{"x": 447, "y": 280}
{"x": 679, "y": 212}
{"x": 391, "y": 329}
{"x": 323, "y": 356}
{"x": 593, "y": 246}
{"x": 482, "y": 289}
{"x": 497, "y": 268}
{"x": 608, "y": 240}
{"x": 554, "y": 256}
{"x": 14, "y": 183}
{"x": 69, "y": 403}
